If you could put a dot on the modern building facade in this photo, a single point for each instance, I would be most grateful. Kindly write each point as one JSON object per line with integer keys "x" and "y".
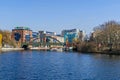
{"x": 48, "y": 33}
{"x": 42, "y": 36}
{"x": 82, "y": 36}
{"x": 22, "y": 34}
{"x": 71, "y": 34}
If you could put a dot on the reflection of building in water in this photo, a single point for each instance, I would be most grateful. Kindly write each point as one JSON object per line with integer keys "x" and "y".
{"x": 21, "y": 34}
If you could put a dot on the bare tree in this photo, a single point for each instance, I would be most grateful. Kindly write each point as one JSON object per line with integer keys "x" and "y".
{"x": 108, "y": 34}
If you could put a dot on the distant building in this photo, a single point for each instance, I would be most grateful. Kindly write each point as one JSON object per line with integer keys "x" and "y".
{"x": 22, "y": 34}
{"x": 71, "y": 34}
{"x": 59, "y": 38}
{"x": 48, "y": 33}
{"x": 35, "y": 37}
{"x": 42, "y": 36}
{"x": 82, "y": 35}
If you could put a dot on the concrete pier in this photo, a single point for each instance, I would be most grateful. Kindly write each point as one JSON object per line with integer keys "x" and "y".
{"x": 11, "y": 49}
{"x": 40, "y": 48}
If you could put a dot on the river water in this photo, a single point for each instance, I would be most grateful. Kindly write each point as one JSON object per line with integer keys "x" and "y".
{"x": 43, "y": 65}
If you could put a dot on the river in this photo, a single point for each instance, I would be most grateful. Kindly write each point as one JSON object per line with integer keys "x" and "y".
{"x": 43, "y": 65}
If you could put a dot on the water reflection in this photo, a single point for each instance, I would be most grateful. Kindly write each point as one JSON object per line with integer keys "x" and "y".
{"x": 43, "y": 65}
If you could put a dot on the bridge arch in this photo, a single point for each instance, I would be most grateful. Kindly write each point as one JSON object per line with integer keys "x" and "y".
{"x": 55, "y": 39}
{"x": 46, "y": 42}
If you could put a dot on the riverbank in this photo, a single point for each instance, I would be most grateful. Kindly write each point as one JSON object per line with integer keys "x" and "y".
{"x": 40, "y": 48}
{"x": 47, "y": 49}
{"x": 111, "y": 52}
{"x": 11, "y": 49}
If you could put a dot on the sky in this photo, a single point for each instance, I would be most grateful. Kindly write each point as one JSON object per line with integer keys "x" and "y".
{"x": 56, "y": 15}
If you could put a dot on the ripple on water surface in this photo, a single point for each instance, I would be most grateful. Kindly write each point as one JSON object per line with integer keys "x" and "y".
{"x": 40, "y": 65}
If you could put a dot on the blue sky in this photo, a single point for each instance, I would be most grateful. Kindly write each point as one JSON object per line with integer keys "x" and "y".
{"x": 56, "y": 15}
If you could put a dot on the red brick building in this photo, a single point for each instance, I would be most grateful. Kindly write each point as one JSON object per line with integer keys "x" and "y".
{"x": 22, "y": 34}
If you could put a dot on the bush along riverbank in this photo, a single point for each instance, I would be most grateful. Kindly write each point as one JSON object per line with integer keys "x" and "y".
{"x": 105, "y": 39}
{"x": 91, "y": 47}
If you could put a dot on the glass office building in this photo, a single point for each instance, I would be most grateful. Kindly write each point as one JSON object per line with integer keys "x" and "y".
{"x": 70, "y": 35}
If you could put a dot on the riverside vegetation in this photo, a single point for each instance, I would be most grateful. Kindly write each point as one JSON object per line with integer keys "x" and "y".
{"x": 105, "y": 38}
{"x": 6, "y": 39}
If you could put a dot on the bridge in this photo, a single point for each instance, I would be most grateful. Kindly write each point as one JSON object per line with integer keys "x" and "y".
{"x": 36, "y": 42}
{"x": 48, "y": 41}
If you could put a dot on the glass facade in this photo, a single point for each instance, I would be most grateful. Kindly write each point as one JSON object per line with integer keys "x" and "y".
{"x": 70, "y": 35}
{"x": 27, "y": 37}
{"x": 34, "y": 34}
{"x": 17, "y": 36}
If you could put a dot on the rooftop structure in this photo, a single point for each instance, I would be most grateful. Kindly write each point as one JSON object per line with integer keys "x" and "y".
{"x": 48, "y": 33}
{"x": 22, "y": 28}
{"x": 70, "y": 31}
